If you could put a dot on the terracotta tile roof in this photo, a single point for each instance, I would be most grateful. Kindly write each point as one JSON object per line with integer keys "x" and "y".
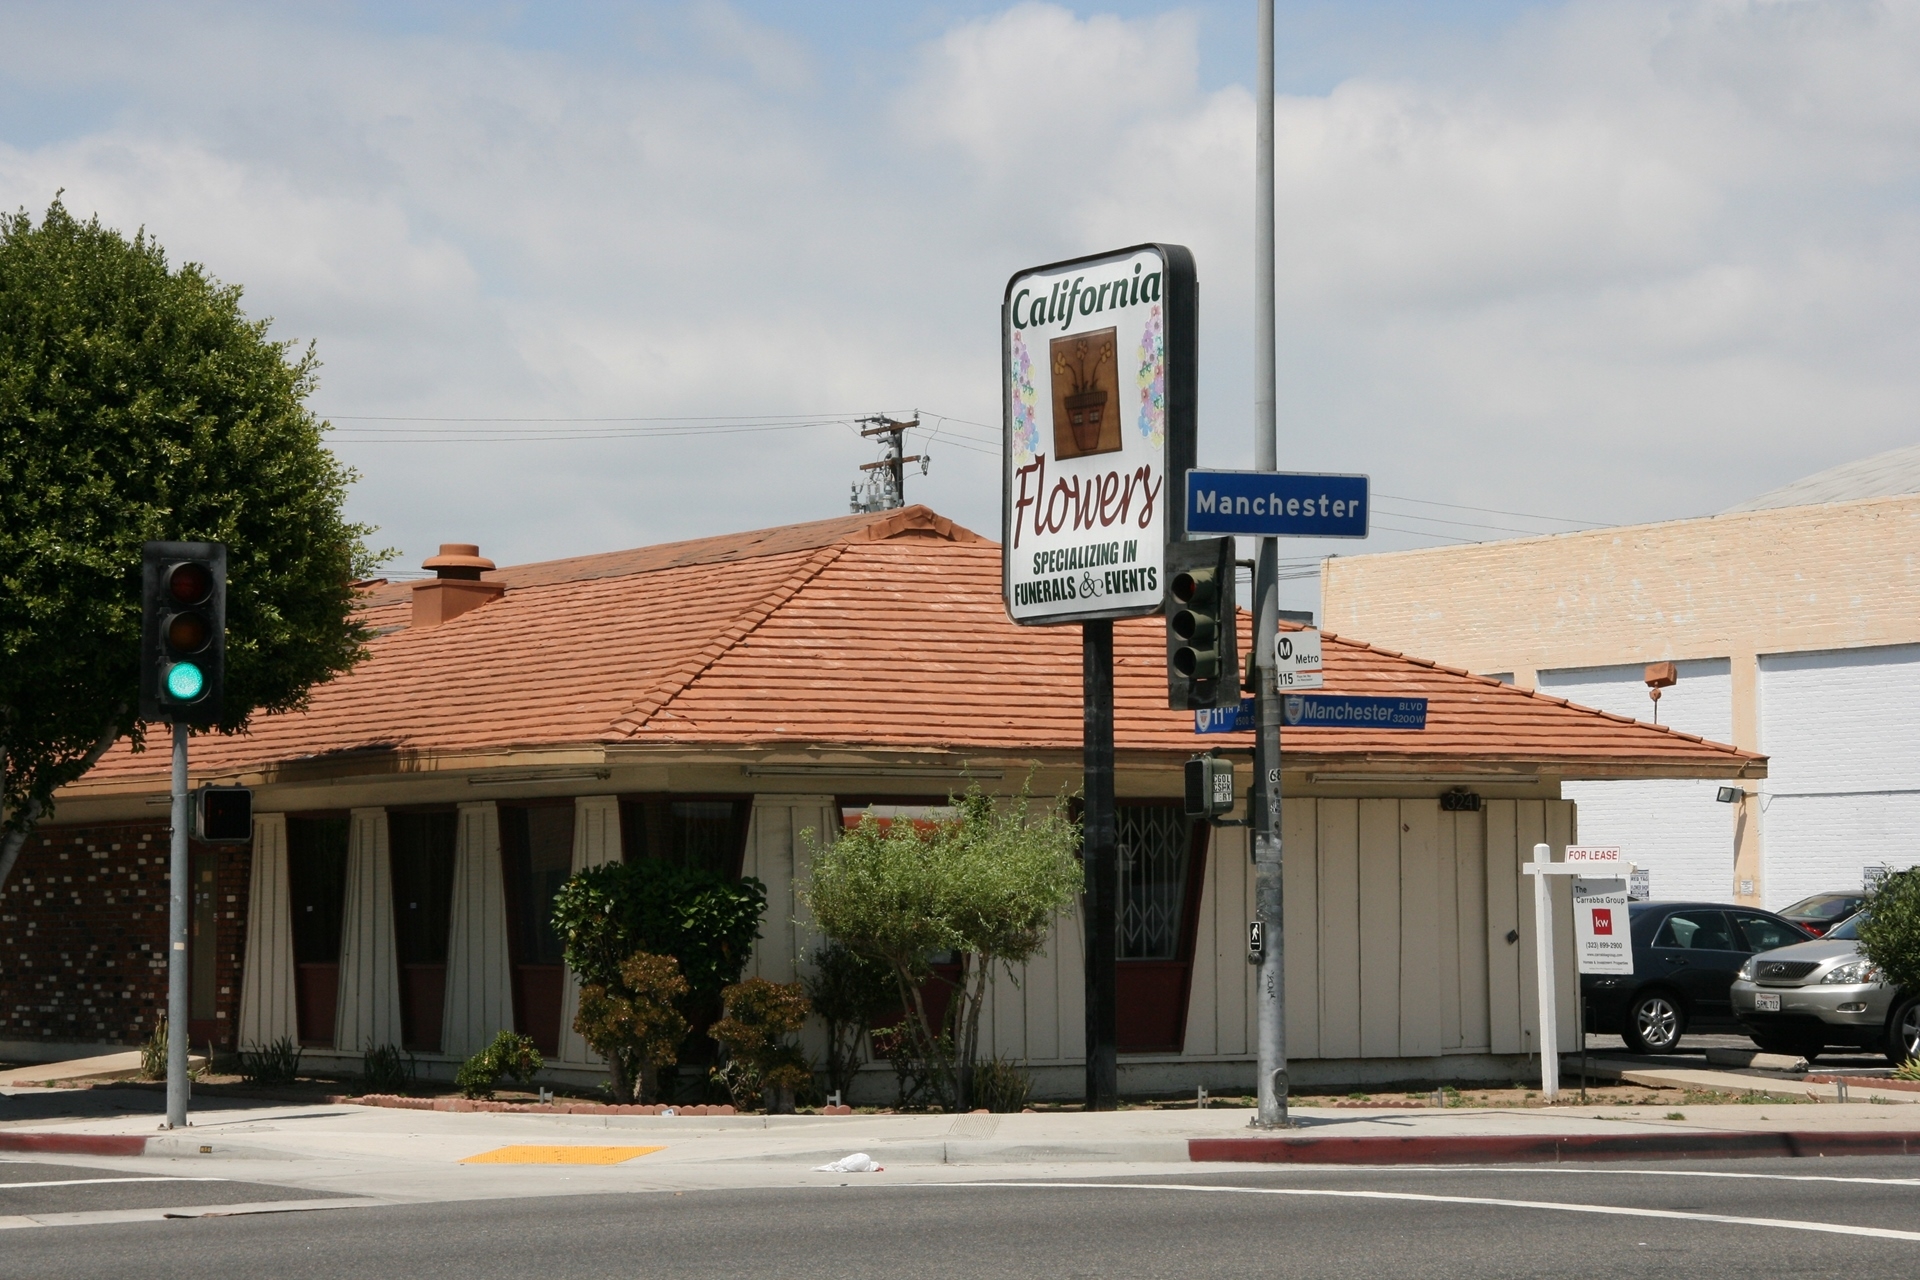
{"x": 881, "y": 630}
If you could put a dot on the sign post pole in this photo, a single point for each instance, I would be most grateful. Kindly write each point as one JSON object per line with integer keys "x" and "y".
{"x": 1549, "y": 1038}
{"x": 1100, "y": 850}
{"x": 1610, "y": 953}
{"x": 177, "y": 906}
{"x": 1268, "y": 892}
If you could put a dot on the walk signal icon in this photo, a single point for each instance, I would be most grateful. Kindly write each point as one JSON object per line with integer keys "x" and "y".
{"x": 183, "y": 631}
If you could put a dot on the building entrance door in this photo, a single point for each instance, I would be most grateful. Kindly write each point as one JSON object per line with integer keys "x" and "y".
{"x": 203, "y": 948}
{"x": 316, "y": 892}
{"x": 1163, "y": 858}
{"x": 536, "y": 850}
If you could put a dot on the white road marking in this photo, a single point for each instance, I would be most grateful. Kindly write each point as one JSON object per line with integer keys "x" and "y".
{"x": 1678, "y": 1173}
{"x": 94, "y": 1182}
{"x": 1607, "y": 1210}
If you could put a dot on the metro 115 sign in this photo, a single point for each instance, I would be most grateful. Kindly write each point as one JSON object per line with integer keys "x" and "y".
{"x": 1098, "y": 357}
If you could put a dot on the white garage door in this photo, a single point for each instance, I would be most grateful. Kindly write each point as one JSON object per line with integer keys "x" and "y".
{"x": 1842, "y": 731}
{"x": 1673, "y": 828}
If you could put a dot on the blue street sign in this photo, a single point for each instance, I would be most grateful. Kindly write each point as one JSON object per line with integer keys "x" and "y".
{"x": 1235, "y": 719}
{"x": 1339, "y": 711}
{"x": 1276, "y": 504}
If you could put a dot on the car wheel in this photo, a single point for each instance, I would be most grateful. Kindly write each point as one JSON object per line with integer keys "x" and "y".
{"x": 1655, "y": 1023}
{"x": 1903, "y": 1031}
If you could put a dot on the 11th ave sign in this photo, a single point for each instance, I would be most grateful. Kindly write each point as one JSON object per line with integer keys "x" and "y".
{"x": 1277, "y": 504}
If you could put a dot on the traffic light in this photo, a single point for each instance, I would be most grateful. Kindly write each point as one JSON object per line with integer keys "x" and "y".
{"x": 1203, "y": 660}
{"x": 183, "y": 631}
{"x": 223, "y": 815}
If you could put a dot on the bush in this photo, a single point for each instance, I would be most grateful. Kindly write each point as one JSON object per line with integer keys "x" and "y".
{"x": 153, "y": 1053}
{"x": 386, "y": 1070}
{"x": 270, "y": 1064}
{"x": 509, "y": 1055}
{"x": 848, "y": 991}
{"x": 635, "y": 1025}
{"x": 1890, "y": 929}
{"x": 986, "y": 883}
{"x": 1000, "y": 1085}
{"x": 762, "y": 1062}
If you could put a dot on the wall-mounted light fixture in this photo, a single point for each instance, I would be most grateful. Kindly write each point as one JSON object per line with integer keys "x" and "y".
{"x": 1728, "y": 795}
{"x": 1660, "y": 675}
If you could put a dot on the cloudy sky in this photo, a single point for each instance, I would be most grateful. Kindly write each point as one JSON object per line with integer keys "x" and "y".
{"x": 589, "y": 276}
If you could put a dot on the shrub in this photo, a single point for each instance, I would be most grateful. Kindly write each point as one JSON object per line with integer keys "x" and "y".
{"x": 1000, "y": 1085}
{"x": 509, "y": 1055}
{"x": 635, "y": 1024}
{"x": 986, "y": 883}
{"x": 848, "y": 991}
{"x": 153, "y": 1053}
{"x": 386, "y": 1070}
{"x": 762, "y": 1062}
{"x": 1890, "y": 928}
{"x": 704, "y": 921}
{"x": 270, "y": 1064}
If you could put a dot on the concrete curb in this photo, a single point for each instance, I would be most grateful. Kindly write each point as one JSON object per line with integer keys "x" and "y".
{"x": 74, "y": 1144}
{"x": 1547, "y": 1148}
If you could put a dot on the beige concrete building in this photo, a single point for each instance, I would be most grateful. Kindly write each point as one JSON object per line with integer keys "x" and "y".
{"x": 1794, "y": 623}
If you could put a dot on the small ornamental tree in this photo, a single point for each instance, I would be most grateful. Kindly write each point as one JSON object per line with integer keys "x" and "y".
{"x": 138, "y": 402}
{"x": 763, "y": 1061}
{"x": 849, "y": 991}
{"x": 705, "y": 922}
{"x": 987, "y": 884}
{"x": 636, "y": 1026}
{"x": 1890, "y": 928}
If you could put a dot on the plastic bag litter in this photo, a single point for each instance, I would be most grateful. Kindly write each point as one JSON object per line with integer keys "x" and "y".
{"x": 858, "y": 1162}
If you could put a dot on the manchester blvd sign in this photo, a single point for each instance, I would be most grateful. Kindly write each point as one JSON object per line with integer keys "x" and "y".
{"x": 1277, "y": 504}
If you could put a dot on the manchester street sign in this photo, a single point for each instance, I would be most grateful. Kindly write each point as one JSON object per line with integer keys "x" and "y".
{"x": 1342, "y": 711}
{"x": 1276, "y": 504}
{"x": 1098, "y": 357}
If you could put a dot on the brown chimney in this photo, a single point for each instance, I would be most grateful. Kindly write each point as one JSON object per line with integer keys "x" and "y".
{"x": 456, "y": 587}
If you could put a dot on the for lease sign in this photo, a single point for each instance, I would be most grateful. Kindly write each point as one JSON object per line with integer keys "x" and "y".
{"x": 1098, "y": 358}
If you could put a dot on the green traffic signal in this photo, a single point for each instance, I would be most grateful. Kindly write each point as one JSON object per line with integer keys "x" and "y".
{"x": 185, "y": 682}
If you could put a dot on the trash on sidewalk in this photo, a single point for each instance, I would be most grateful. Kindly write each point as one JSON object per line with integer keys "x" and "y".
{"x": 858, "y": 1162}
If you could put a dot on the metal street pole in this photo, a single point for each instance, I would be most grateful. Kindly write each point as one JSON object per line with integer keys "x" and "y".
{"x": 1099, "y": 848}
{"x": 177, "y": 939}
{"x": 1267, "y": 888}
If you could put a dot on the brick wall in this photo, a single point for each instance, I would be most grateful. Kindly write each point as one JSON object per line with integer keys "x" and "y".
{"x": 83, "y": 935}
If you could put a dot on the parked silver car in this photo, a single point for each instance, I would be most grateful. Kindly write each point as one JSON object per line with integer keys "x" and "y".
{"x": 1804, "y": 998}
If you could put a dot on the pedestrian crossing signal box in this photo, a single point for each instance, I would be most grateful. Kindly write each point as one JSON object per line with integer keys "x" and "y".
{"x": 1209, "y": 787}
{"x": 223, "y": 815}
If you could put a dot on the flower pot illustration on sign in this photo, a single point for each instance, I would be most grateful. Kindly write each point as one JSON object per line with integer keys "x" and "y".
{"x": 1086, "y": 396}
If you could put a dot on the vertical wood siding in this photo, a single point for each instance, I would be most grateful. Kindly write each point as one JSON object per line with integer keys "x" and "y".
{"x": 267, "y": 1009}
{"x": 368, "y": 1013}
{"x": 479, "y": 972}
{"x": 596, "y": 842}
{"x": 777, "y": 856}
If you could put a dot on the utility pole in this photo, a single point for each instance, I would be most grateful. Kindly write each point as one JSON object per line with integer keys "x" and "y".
{"x": 1268, "y": 891}
{"x": 886, "y": 484}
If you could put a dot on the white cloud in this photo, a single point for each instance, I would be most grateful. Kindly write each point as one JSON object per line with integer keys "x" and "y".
{"x": 1627, "y": 259}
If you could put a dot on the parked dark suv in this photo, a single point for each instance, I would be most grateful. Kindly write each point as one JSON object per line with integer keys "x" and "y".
{"x": 1685, "y": 957}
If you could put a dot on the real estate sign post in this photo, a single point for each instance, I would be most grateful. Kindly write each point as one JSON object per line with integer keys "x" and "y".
{"x": 1098, "y": 360}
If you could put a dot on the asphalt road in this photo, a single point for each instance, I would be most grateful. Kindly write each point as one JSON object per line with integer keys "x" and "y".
{"x": 1804, "y": 1218}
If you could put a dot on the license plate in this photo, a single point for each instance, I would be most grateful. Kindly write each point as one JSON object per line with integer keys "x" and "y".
{"x": 1766, "y": 1002}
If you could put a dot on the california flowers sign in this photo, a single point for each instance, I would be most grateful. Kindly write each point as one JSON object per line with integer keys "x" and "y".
{"x": 1098, "y": 356}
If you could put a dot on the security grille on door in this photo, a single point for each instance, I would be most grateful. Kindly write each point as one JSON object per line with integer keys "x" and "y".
{"x": 1153, "y": 880}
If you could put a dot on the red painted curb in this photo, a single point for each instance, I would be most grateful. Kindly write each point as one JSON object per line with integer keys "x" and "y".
{"x": 1536, "y": 1148}
{"x": 74, "y": 1144}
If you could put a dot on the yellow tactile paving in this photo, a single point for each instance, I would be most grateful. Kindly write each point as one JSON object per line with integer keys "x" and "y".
{"x": 560, "y": 1155}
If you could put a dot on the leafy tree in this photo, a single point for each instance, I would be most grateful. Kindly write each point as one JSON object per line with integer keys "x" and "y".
{"x": 704, "y": 921}
{"x": 1890, "y": 928}
{"x": 138, "y": 402}
{"x": 986, "y": 883}
{"x": 636, "y": 1025}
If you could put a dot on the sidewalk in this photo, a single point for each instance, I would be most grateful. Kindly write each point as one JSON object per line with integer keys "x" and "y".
{"x": 405, "y": 1155}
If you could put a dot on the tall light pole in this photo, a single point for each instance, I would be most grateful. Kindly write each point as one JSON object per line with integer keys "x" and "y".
{"x": 1268, "y": 894}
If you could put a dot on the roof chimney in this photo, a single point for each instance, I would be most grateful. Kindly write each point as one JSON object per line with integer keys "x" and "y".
{"x": 456, "y": 587}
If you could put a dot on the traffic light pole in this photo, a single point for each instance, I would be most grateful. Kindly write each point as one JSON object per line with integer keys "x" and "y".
{"x": 1099, "y": 848}
{"x": 1271, "y": 998}
{"x": 177, "y": 938}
